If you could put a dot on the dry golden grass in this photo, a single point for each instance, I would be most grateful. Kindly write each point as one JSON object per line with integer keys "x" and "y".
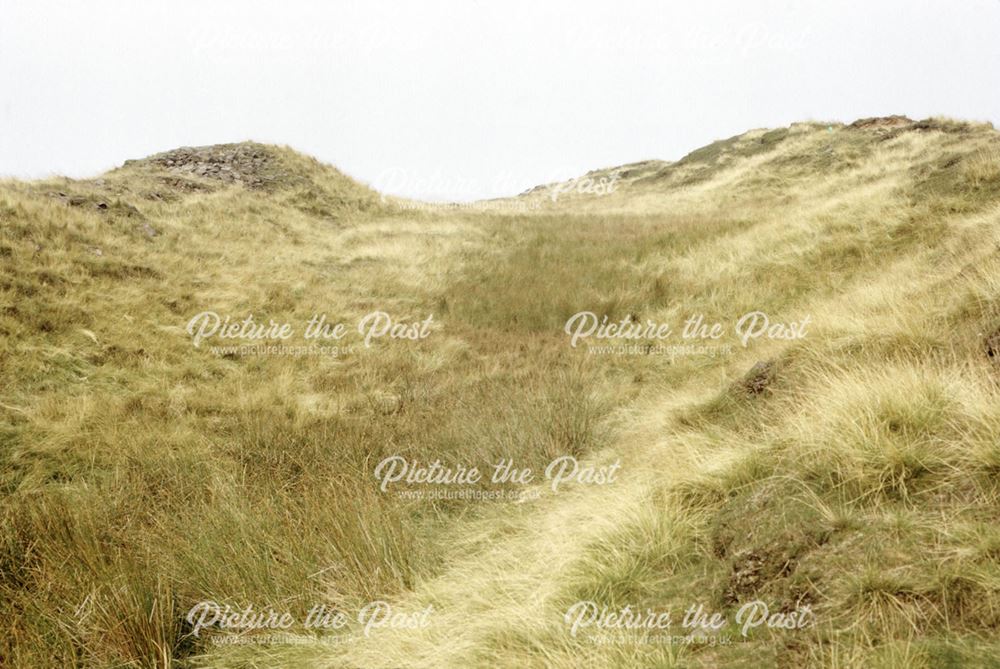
{"x": 142, "y": 475}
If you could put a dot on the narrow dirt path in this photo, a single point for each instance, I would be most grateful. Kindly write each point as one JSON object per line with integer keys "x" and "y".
{"x": 512, "y": 578}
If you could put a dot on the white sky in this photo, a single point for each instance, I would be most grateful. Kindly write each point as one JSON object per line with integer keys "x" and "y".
{"x": 453, "y": 99}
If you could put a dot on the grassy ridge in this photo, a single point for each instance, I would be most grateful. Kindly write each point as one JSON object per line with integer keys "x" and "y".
{"x": 141, "y": 475}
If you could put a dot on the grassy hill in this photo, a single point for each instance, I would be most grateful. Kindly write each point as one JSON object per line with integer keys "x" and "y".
{"x": 851, "y": 472}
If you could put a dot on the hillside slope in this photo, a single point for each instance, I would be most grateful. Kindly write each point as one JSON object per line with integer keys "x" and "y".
{"x": 850, "y": 471}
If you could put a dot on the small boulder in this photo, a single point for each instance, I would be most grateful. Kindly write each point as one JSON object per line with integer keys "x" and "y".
{"x": 760, "y": 377}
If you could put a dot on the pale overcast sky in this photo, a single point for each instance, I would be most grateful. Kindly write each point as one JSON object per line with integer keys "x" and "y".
{"x": 464, "y": 99}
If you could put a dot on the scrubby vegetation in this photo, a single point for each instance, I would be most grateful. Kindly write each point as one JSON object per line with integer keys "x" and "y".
{"x": 853, "y": 471}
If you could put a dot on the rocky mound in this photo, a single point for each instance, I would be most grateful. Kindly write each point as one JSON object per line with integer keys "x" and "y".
{"x": 894, "y": 121}
{"x": 888, "y": 127}
{"x": 249, "y": 164}
{"x": 305, "y": 183}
